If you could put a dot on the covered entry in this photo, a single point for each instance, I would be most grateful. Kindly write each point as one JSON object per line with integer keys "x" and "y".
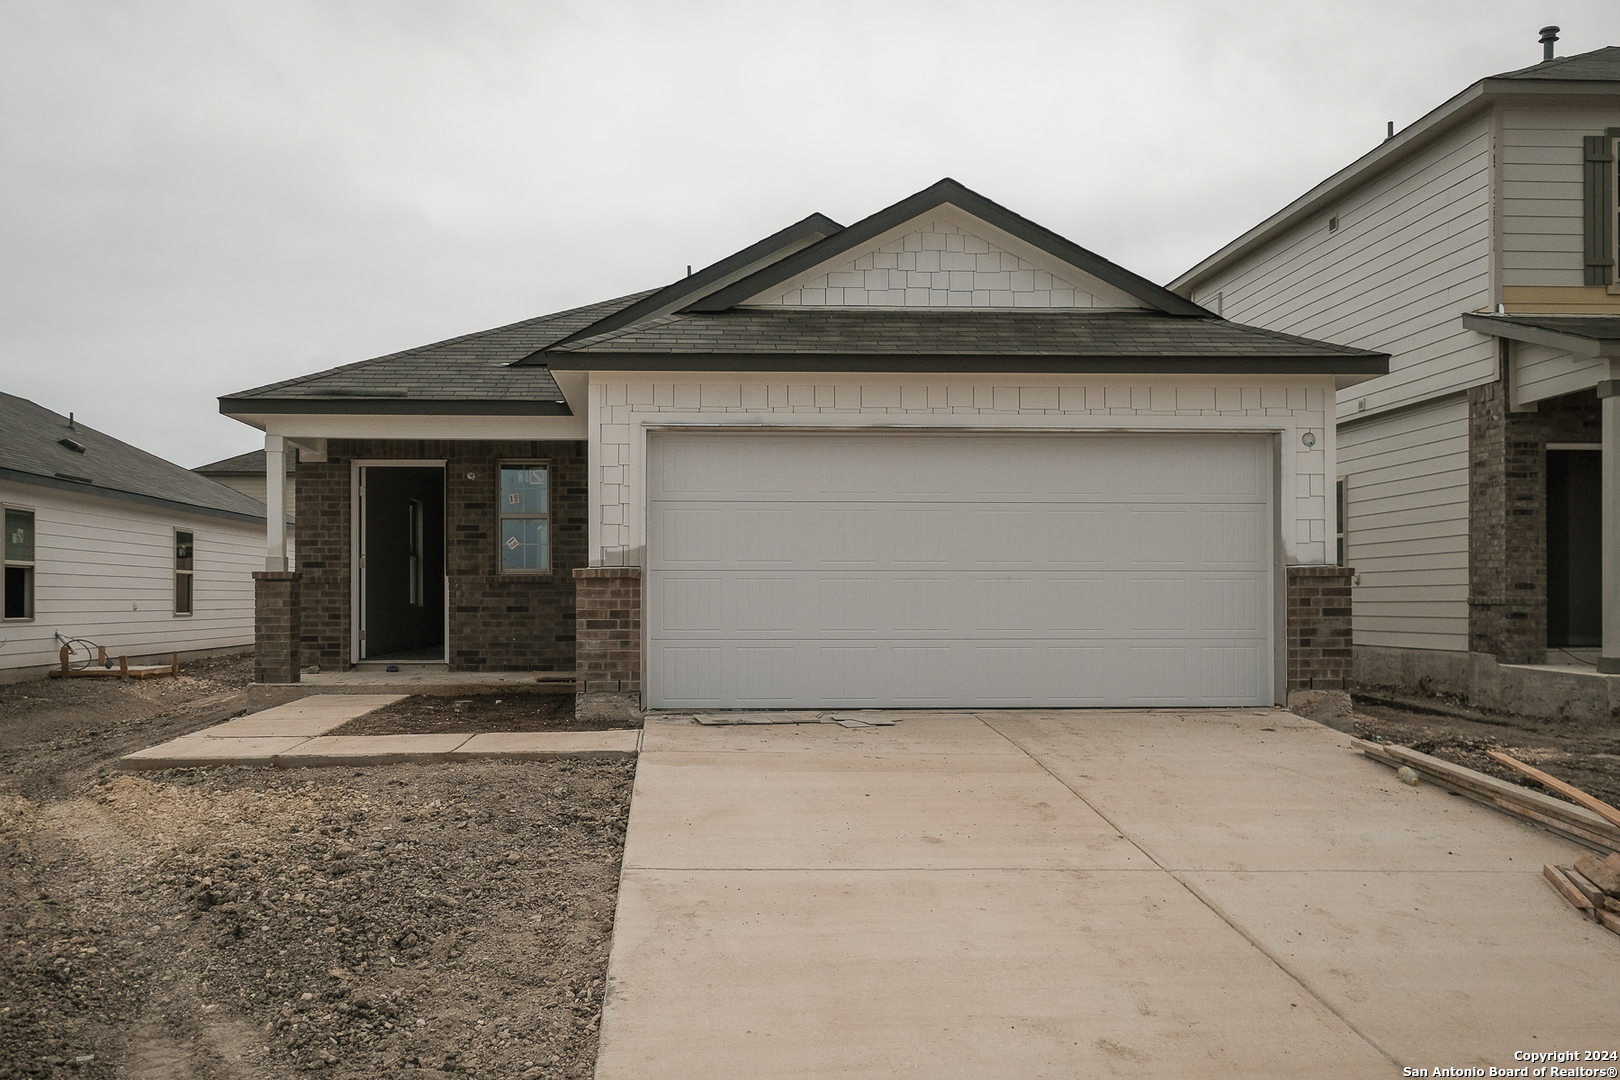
{"x": 913, "y": 569}
{"x": 400, "y": 557}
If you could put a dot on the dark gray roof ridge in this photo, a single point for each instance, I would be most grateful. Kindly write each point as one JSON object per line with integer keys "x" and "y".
{"x": 964, "y": 198}
{"x": 1598, "y": 65}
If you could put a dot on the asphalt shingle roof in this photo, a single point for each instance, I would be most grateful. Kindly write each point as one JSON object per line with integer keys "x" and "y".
{"x": 1596, "y": 327}
{"x": 472, "y": 368}
{"x": 32, "y": 452}
{"x": 252, "y": 462}
{"x": 1599, "y": 65}
{"x": 1002, "y": 334}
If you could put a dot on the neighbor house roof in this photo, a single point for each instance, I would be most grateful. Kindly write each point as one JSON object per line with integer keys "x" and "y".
{"x": 251, "y": 463}
{"x": 46, "y": 449}
{"x": 470, "y": 374}
{"x": 1584, "y": 75}
{"x": 1579, "y": 335}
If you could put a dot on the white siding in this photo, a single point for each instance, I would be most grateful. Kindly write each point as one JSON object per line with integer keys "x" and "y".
{"x": 104, "y": 570}
{"x": 1411, "y": 253}
{"x": 1541, "y": 371}
{"x": 1407, "y": 526}
{"x": 621, "y": 412}
{"x": 1542, "y": 210}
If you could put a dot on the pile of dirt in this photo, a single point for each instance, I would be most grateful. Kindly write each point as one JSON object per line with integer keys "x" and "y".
{"x": 400, "y": 921}
{"x": 426, "y": 714}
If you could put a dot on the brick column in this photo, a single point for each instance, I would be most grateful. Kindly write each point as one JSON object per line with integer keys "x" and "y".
{"x": 607, "y": 646}
{"x": 276, "y": 626}
{"x": 1320, "y": 653}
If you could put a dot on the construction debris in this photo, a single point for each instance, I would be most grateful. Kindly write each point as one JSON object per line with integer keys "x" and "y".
{"x": 104, "y": 668}
{"x": 1597, "y": 806}
{"x": 1592, "y": 886}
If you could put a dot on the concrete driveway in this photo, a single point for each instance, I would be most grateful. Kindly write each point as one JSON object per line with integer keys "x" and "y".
{"x": 1229, "y": 893}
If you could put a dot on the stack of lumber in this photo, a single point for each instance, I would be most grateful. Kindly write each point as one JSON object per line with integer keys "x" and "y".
{"x": 1592, "y": 885}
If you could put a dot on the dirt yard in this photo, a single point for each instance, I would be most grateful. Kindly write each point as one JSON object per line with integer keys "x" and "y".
{"x": 233, "y": 923}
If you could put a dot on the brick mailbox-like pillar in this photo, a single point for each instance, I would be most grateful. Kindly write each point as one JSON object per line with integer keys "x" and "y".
{"x": 276, "y": 626}
{"x": 1320, "y": 651}
{"x": 607, "y": 645}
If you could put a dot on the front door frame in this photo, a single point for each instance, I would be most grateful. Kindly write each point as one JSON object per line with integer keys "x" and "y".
{"x": 357, "y": 570}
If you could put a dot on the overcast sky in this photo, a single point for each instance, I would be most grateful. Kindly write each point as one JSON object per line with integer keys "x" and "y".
{"x": 202, "y": 196}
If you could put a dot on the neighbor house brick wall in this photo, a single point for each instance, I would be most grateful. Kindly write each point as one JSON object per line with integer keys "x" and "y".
{"x": 609, "y": 620}
{"x": 275, "y": 626}
{"x": 1507, "y": 489}
{"x": 1320, "y": 653}
{"x": 498, "y": 622}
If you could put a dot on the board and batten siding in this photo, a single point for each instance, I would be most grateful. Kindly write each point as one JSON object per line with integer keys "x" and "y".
{"x": 1543, "y": 213}
{"x": 1411, "y": 253}
{"x": 1406, "y": 490}
{"x": 621, "y": 412}
{"x": 104, "y": 570}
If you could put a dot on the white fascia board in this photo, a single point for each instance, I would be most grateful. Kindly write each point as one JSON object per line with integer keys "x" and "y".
{"x": 304, "y": 427}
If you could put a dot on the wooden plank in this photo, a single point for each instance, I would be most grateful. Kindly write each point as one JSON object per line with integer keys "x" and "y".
{"x": 1599, "y": 873}
{"x": 1567, "y": 890}
{"x": 1609, "y": 920}
{"x": 1596, "y": 805}
{"x": 1584, "y": 886}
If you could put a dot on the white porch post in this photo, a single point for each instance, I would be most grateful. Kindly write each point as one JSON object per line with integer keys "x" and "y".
{"x": 275, "y": 503}
{"x": 1609, "y": 406}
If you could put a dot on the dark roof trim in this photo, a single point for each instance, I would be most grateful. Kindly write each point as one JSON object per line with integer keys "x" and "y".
{"x": 939, "y": 194}
{"x": 35, "y": 480}
{"x": 978, "y": 363}
{"x": 357, "y": 406}
{"x": 795, "y": 237}
{"x": 1536, "y": 332}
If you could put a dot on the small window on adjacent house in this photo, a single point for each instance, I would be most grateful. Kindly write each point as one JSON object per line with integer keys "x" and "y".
{"x": 1341, "y": 508}
{"x": 183, "y": 555}
{"x": 525, "y": 518}
{"x": 19, "y": 564}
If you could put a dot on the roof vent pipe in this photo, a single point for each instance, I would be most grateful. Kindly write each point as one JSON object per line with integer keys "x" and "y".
{"x": 1549, "y": 37}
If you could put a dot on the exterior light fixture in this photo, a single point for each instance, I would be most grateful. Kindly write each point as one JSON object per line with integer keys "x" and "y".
{"x": 1309, "y": 439}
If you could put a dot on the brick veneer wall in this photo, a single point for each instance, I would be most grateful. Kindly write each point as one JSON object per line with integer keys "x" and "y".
{"x": 1320, "y": 654}
{"x": 498, "y": 622}
{"x": 1507, "y": 516}
{"x": 275, "y": 626}
{"x": 609, "y": 614}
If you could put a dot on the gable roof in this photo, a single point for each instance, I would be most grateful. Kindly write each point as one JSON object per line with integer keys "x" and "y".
{"x": 467, "y": 375}
{"x": 1580, "y": 335}
{"x": 1595, "y": 73}
{"x": 946, "y": 192}
{"x": 251, "y": 463}
{"x": 35, "y": 450}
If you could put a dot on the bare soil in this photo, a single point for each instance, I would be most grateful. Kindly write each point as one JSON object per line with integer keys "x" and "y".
{"x": 450, "y": 920}
{"x": 425, "y": 714}
{"x": 1583, "y": 753}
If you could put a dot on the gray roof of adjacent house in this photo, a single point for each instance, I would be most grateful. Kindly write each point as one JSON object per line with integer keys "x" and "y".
{"x": 1599, "y": 65}
{"x": 251, "y": 463}
{"x": 469, "y": 374}
{"x": 46, "y": 449}
{"x": 1579, "y": 335}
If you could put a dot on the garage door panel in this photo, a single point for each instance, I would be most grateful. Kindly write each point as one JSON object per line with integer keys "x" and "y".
{"x": 987, "y": 571}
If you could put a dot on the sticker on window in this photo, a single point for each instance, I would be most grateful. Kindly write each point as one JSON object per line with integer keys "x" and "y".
{"x": 512, "y": 543}
{"x": 515, "y": 498}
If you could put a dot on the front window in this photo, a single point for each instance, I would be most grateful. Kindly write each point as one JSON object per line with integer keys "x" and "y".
{"x": 525, "y": 518}
{"x": 183, "y": 556}
{"x": 19, "y": 564}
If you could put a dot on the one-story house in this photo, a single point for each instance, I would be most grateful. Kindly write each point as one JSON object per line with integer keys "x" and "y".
{"x": 1479, "y": 478}
{"x": 108, "y": 543}
{"x": 939, "y": 457}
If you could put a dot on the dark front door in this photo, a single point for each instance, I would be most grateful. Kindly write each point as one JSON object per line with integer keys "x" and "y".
{"x": 402, "y": 562}
{"x": 1574, "y": 548}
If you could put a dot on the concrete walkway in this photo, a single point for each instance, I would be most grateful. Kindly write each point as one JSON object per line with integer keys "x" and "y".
{"x": 294, "y": 736}
{"x": 1203, "y": 894}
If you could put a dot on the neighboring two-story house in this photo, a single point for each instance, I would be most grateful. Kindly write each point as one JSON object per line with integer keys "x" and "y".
{"x": 941, "y": 457}
{"x": 1478, "y": 479}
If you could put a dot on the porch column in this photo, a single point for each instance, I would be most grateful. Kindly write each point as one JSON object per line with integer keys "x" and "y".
{"x": 1609, "y": 406}
{"x": 275, "y": 503}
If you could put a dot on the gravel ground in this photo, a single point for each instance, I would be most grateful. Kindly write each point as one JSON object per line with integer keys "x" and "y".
{"x": 415, "y": 921}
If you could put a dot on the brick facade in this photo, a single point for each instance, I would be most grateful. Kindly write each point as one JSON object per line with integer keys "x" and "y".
{"x": 498, "y": 622}
{"x": 609, "y": 620}
{"x": 1320, "y": 654}
{"x": 1507, "y": 509}
{"x": 276, "y": 630}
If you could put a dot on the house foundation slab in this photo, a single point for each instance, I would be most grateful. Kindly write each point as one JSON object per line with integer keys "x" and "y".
{"x": 1557, "y": 693}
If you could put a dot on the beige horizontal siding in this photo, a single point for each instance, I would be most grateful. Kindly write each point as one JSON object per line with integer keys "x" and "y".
{"x": 1542, "y": 208}
{"x": 1407, "y": 526}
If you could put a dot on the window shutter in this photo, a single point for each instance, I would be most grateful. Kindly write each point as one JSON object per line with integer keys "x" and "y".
{"x": 1600, "y": 207}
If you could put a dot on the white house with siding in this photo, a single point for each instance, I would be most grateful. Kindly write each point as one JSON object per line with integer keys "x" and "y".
{"x": 110, "y": 544}
{"x": 1477, "y": 480}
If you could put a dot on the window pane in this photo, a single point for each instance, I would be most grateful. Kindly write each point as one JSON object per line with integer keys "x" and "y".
{"x": 182, "y": 594}
{"x": 20, "y": 535}
{"x": 523, "y": 490}
{"x": 19, "y": 592}
{"x": 182, "y": 551}
{"x": 524, "y": 544}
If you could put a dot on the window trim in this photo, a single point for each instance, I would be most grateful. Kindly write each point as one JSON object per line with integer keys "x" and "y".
{"x": 1601, "y": 189}
{"x": 501, "y": 517}
{"x": 188, "y": 574}
{"x": 28, "y": 565}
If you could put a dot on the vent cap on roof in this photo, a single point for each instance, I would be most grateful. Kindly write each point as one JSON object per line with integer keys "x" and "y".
{"x": 76, "y": 447}
{"x": 1549, "y": 38}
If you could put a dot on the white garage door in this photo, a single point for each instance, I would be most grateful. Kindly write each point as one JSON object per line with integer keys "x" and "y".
{"x": 940, "y": 570}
